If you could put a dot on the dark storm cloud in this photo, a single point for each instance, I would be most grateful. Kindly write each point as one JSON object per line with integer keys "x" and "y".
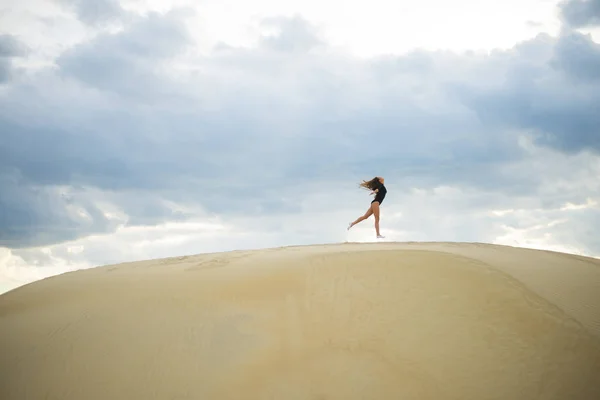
{"x": 559, "y": 99}
{"x": 129, "y": 61}
{"x": 579, "y": 57}
{"x": 33, "y": 215}
{"x": 5, "y": 69}
{"x": 580, "y": 13}
{"x": 10, "y": 47}
{"x": 244, "y": 130}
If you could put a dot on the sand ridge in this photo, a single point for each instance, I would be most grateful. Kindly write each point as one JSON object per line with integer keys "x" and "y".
{"x": 346, "y": 321}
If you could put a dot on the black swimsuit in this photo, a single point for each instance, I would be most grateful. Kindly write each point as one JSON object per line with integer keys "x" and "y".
{"x": 380, "y": 195}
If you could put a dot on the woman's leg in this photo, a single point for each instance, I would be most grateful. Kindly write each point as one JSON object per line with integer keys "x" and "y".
{"x": 362, "y": 217}
{"x": 375, "y": 207}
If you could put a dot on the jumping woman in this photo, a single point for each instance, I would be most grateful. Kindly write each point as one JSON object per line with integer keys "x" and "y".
{"x": 377, "y": 188}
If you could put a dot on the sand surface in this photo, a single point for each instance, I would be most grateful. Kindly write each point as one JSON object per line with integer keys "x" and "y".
{"x": 349, "y": 321}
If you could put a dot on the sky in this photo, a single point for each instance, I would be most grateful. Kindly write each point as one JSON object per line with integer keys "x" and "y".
{"x": 138, "y": 129}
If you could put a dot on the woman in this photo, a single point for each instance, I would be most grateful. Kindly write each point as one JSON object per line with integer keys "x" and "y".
{"x": 377, "y": 187}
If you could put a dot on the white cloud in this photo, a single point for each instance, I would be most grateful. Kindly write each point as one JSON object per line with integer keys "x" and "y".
{"x": 383, "y": 26}
{"x": 590, "y": 203}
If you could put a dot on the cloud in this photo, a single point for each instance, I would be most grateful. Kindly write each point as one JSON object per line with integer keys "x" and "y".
{"x": 578, "y": 56}
{"x": 290, "y": 34}
{"x": 534, "y": 24}
{"x": 580, "y": 13}
{"x": 129, "y": 61}
{"x": 243, "y": 129}
{"x": 556, "y": 98}
{"x": 10, "y": 47}
{"x": 95, "y": 12}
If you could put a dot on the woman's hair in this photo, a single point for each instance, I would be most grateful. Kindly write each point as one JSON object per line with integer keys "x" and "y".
{"x": 370, "y": 185}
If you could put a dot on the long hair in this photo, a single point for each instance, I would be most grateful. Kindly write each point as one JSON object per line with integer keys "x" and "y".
{"x": 370, "y": 185}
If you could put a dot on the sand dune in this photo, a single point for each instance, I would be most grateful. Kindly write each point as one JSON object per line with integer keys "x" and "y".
{"x": 350, "y": 321}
